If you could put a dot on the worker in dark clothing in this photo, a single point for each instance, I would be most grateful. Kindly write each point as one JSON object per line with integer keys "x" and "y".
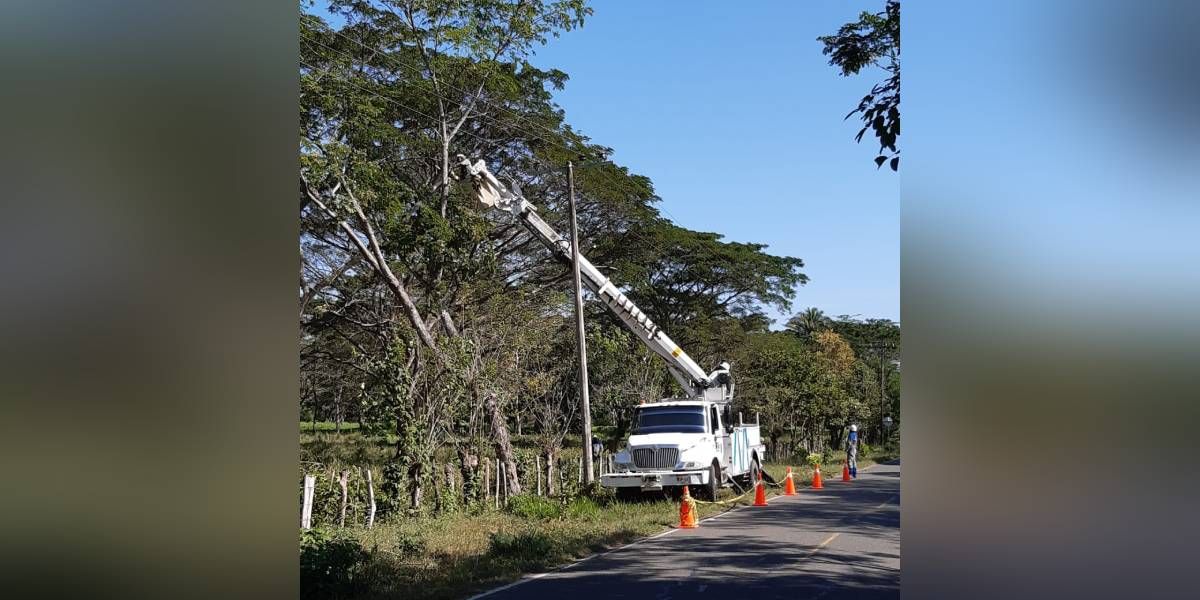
{"x": 852, "y": 451}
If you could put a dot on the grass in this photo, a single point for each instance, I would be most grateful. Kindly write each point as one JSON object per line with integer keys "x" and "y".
{"x": 460, "y": 554}
{"x": 309, "y": 426}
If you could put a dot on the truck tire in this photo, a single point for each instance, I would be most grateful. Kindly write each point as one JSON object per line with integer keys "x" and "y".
{"x": 714, "y": 482}
{"x": 752, "y": 476}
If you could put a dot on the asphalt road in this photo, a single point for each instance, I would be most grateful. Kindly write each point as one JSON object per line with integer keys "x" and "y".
{"x": 839, "y": 542}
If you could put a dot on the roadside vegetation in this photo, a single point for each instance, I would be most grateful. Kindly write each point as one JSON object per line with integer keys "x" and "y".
{"x": 462, "y": 550}
{"x": 437, "y": 345}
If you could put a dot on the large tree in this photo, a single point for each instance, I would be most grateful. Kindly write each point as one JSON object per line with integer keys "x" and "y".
{"x": 385, "y": 101}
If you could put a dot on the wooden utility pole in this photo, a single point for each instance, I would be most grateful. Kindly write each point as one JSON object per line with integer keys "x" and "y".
{"x": 580, "y": 333}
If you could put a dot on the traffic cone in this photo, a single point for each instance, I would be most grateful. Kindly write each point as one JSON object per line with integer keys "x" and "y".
{"x": 816, "y": 485}
{"x": 846, "y": 472}
{"x": 789, "y": 486}
{"x": 687, "y": 511}
{"x": 760, "y": 492}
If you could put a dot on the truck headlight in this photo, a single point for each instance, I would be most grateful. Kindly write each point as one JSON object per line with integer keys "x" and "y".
{"x": 693, "y": 464}
{"x": 622, "y": 461}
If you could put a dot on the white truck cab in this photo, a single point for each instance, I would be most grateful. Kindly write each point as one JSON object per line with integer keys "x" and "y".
{"x": 685, "y": 442}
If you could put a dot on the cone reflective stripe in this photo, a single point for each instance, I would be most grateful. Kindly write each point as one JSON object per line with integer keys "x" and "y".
{"x": 816, "y": 485}
{"x": 687, "y": 511}
{"x": 760, "y": 492}
{"x": 789, "y": 486}
{"x": 846, "y": 472}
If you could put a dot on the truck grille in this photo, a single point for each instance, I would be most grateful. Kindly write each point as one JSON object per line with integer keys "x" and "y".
{"x": 655, "y": 458}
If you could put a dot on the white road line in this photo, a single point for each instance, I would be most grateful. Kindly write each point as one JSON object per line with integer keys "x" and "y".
{"x": 823, "y": 544}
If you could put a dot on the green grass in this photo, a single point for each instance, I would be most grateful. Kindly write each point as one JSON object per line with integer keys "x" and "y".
{"x": 307, "y": 426}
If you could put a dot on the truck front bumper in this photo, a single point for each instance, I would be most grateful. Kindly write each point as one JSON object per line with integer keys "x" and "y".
{"x": 653, "y": 480}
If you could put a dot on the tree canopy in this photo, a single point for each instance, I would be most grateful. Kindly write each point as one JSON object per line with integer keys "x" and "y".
{"x": 873, "y": 41}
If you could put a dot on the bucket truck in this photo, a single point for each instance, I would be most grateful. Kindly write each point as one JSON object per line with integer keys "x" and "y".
{"x": 689, "y": 440}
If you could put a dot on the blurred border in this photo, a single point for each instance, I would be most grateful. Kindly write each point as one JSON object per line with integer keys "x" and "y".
{"x": 1049, "y": 293}
{"x": 148, "y": 254}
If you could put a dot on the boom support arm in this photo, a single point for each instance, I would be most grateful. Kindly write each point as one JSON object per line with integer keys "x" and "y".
{"x": 492, "y": 194}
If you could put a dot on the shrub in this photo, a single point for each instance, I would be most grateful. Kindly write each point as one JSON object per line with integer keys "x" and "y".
{"x": 529, "y": 506}
{"x": 407, "y": 543}
{"x": 583, "y": 508}
{"x": 329, "y": 562}
{"x": 864, "y": 449}
{"x": 814, "y": 459}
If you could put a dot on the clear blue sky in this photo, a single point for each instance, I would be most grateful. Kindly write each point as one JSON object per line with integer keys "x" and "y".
{"x": 736, "y": 117}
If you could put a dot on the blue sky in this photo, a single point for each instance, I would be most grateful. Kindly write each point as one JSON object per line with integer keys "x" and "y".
{"x": 736, "y": 117}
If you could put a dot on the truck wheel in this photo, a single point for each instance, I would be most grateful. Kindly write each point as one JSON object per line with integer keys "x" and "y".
{"x": 752, "y": 476}
{"x": 714, "y": 483}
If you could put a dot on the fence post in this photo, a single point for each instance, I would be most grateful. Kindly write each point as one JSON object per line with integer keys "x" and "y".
{"x": 504, "y": 482}
{"x": 499, "y": 476}
{"x": 580, "y": 469}
{"x": 538, "y": 467}
{"x": 370, "y": 500}
{"x": 343, "y": 480}
{"x": 310, "y": 483}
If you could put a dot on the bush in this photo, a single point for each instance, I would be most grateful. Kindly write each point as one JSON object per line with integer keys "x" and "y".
{"x": 814, "y": 459}
{"x": 528, "y": 506}
{"x": 864, "y": 449}
{"x": 409, "y": 544}
{"x": 329, "y": 562}
{"x": 583, "y": 508}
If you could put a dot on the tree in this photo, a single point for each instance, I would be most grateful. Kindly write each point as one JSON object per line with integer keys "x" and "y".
{"x": 384, "y": 101}
{"x": 808, "y": 323}
{"x": 873, "y": 40}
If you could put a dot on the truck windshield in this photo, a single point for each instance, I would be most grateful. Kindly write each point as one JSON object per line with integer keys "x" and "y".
{"x": 670, "y": 419}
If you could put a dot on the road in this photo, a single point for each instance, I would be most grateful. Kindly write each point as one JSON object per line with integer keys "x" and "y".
{"x": 836, "y": 543}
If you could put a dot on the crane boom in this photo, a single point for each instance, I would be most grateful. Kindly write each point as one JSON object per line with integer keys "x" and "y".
{"x": 492, "y": 194}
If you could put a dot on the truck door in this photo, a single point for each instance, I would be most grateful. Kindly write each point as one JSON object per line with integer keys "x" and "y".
{"x": 721, "y": 445}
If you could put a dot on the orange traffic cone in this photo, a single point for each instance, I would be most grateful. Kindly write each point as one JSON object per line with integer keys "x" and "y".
{"x": 687, "y": 511}
{"x": 846, "y": 472}
{"x": 760, "y": 492}
{"x": 789, "y": 487}
{"x": 816, "y": 485}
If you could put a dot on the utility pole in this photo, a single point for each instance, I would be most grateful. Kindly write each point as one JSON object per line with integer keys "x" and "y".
{"x": 588, "y": 476}
{"x": 882, "y": 429}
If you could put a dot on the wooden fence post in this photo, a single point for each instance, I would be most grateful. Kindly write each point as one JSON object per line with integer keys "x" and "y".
{"x": 343, "y": 481}
{"x": 487, "y": 481}
{"x": 370, "y": 500}
{"x": 538, "y": 467}
{"x": 310, "y": 484}
{"x": 498, "y": 477}
{"x": 504, "y": 485}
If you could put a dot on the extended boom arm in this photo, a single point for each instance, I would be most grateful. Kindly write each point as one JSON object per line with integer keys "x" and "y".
{"x": 492, "y": 194}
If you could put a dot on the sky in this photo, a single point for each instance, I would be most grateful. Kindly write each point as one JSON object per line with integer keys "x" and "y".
{"x": 737, "y": 118}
